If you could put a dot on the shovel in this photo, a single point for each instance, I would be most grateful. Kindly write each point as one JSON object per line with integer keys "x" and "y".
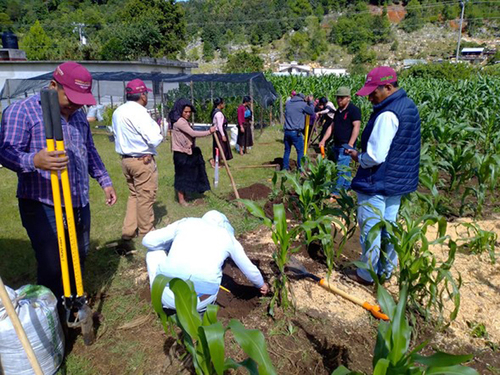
{"x": 296, "y": 267}
{"x": 74, "y": 304}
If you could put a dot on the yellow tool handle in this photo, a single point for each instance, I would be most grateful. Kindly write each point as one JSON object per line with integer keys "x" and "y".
{"x": 61, "y": 238}
{"x": 224, "y": 289}
{"x": 308, "y": 120}
{"x": 374, "y": 309}
{"x": 70, "y": 219}
{"x": 11, "y": 312}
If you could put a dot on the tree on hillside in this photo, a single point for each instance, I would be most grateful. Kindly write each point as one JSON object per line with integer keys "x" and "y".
{"x": 36, "y": 43}
{"x": 244, "y": 62}
{"x": 153, "y": 28}
{"x": 5, "y": 22}
{"x": 413, "y": 20}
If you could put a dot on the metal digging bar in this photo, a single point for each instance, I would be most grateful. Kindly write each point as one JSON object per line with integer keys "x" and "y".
{"x": 78, "y": 312}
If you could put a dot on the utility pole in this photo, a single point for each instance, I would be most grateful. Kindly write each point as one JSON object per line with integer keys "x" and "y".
{"x": 462, "y": 4}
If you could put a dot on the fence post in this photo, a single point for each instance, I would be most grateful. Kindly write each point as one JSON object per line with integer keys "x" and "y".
{"x": 251, "y": 108}
{"x": 7, "y": 89}
{"x": 192, "y": 102}
{"x": 98, "y": 93}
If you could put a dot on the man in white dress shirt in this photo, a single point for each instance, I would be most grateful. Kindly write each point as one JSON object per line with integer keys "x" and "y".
{"x": 195, "y": 249}
{"x": 136, "y": 137}
{"x": 388, "y": 168}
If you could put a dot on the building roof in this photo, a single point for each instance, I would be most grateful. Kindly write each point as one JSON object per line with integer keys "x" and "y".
{"x": 472, "y": 50}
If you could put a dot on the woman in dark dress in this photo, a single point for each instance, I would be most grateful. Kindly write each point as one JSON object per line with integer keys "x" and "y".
{"x": 245, "y": 136}
{"x": 190, "y": 173}
{"x": 220, "y": 123}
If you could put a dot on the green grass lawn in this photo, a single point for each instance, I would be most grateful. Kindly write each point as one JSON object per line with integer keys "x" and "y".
{"x": 108, "y": 273}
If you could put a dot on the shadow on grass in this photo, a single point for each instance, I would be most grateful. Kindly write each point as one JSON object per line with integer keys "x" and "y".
{"x": 18, "y": 267}
{"x": 18, "y": 264}
{"x": 160, "y": 211}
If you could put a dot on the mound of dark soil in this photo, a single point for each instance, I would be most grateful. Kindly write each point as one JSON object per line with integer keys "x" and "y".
{"x": 253, "y": 192}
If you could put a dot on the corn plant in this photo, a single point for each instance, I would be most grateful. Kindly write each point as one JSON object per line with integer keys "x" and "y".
{"x": 457, "y": 161}
{"x": 308, "y": 191}
{"x": 392, "y": 355}
{"x": 325, "y": 230}
{"x": 433, "y": 202}
{"x": 282, "y": 238}
{"x": 477, "y": 240}
{"x": 427, "y": 281}
{"x": 487, "y": 175}
{"x": 204, "y": 338}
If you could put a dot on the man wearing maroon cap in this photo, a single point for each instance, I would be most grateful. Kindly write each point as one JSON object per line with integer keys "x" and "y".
{"x": 388, "y": 168}
{"x": 23, "y": 150}
{"x": 136, "y": 137}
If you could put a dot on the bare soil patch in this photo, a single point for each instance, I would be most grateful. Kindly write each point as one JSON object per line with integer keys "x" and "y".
{"x": 254, "y": 192}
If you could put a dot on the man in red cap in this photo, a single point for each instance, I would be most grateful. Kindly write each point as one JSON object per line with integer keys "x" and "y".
{"x": 388, "y": 168}
{"x": 23, "y": 150}
{"x": 136, "y": 137}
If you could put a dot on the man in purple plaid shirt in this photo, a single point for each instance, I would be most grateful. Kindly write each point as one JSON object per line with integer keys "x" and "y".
{"x": 23, "y": 150}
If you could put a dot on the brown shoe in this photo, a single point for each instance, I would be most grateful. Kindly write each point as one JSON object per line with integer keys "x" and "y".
{"x": 353, "y": 275}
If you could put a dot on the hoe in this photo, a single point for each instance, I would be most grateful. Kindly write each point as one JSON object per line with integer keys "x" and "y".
{"x": 296, "y": 267}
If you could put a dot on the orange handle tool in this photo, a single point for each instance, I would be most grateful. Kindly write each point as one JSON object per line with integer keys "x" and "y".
{"x": 322, "y": 151}
{"x": 374, "y": 309}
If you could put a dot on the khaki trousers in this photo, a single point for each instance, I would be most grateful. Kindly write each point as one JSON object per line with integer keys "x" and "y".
{"x": 142, "y": 181}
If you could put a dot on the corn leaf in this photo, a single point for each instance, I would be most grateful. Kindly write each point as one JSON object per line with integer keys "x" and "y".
{"x": 185, "y": 305}
{"x": 254, "y": 345}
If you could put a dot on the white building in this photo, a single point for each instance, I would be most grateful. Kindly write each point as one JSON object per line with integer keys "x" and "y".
{"x": 293, "y": 68}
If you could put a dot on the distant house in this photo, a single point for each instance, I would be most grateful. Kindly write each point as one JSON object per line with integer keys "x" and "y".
{"x": 408, "y": 63}
{"x": 328, "y": 71}
{"x": 293, "y": 68}
{"x": 473, "y": 55}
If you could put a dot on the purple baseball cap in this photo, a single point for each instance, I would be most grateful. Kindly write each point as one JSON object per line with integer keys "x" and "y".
{"x": 378, "y": 76}
{"x": 76, "y": 81}
{"x": 136, "y": 86}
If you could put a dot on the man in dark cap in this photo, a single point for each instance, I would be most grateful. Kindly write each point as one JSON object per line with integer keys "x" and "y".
{"x": 388, "y": 167}
{"x": 23, "y": 149}
{"x": 136, "y": 137}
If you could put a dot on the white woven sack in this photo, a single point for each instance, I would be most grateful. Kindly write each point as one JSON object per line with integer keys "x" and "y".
{"x": 36, "y": 307}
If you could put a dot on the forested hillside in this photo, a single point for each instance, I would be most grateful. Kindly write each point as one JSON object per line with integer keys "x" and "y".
{"x": 351, "y": 34}
{"x": 303, "y": 30}
{"x": 95, "y": 29}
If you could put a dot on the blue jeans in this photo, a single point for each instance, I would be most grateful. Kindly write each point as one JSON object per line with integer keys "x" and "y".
{"x": 344, "y": 174}
{"x": 39, "y": 221}
{"x": 381, "y": 260}
{"x": 295, "y": 138}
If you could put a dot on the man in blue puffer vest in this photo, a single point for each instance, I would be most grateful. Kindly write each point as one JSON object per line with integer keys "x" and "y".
{"x": 388, "y": 166}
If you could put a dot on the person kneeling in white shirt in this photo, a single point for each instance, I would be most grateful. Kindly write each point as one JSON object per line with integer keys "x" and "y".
{"x": 195, "y": 249}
